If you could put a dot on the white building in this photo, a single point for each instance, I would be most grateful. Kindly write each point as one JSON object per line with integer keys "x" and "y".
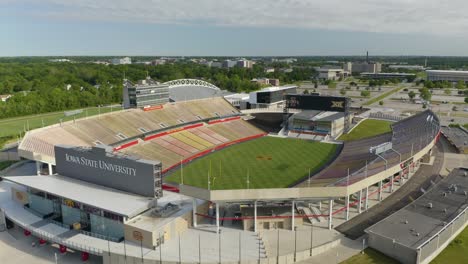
{"x": 119, "y": 61}
{"x": 332, "y": 74}
{"x": 245, "y": 63}
{"x": 443, "y": 75}
{"x": 407, "y": 67}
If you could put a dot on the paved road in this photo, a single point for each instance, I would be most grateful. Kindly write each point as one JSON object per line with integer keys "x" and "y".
{"x": 400, "y": 198}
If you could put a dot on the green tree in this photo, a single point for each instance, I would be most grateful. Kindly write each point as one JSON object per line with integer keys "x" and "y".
{"x": 466, "y": 100}
{"x": 365, "y": 93}
{"x": 447, "y": 91}
{"x": 425, "y": 94}
{"x": 411, "y": 95}
{"x": 460, "y": 85}
{"x": 342, "y": 91}
{"x": 381, "y": 102}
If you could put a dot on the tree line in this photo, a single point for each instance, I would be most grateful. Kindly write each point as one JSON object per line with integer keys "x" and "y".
{"x": 39, "y": 87}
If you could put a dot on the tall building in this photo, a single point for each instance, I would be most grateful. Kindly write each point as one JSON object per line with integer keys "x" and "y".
{"x": 360, "y": 67}
{"x": 119, "y": 61}
{"x": 245, "y": 63}
{"x": 146, "y": 92}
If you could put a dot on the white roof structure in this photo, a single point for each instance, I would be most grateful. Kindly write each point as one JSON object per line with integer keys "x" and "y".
{"x": 111, "y": 200}
{"x": 276, "y": 88}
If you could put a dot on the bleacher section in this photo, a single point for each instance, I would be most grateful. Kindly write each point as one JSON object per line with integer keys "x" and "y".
{"x": 408, "y": 136}
{"x": 119, "y": 128}
{"x": 353, "y": 157}
{"x": 188, "y": 144}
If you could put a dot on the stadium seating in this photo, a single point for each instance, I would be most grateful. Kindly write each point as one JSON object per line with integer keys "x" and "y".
{"x": 121, "y": 126}
{"x": 185, "y": 144}
{"x": 408, "y": 136}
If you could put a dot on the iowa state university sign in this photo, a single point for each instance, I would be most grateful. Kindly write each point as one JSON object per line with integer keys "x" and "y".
{"x": 100, "y": 164}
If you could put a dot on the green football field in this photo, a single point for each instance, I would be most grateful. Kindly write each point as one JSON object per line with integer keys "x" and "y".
{"x": 367, "y": 128}
{"x": 267, "y": 162}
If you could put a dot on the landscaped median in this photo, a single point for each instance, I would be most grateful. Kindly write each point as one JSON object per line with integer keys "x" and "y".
{"x": 383, "y": 96}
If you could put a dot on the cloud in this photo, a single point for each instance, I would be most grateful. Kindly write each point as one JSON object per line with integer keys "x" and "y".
{"x": 432, "y": 17}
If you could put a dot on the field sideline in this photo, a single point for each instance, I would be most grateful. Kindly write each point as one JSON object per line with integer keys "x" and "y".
{"x": 367, "y": 128}
{"x": 267, "y": 162}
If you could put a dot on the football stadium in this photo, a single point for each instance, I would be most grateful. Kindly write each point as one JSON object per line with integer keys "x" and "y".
{"x": 119, "y": 184}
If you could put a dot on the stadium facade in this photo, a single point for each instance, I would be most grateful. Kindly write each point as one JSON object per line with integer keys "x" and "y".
{"x": 144, "y": 145}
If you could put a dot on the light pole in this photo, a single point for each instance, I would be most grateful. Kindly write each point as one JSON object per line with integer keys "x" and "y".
{"x": 277, "y": 247}
{"x": 295, "y": 243}
{"x": 311, "y": 236}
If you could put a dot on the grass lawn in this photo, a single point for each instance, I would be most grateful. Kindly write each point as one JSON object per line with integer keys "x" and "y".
{"x": 370, "y": 256}
{"x": 270, "y": 162}
{"x": 455, "y": 252}
{"x": 16, "y": 125}
{"x": 367, "y": 128}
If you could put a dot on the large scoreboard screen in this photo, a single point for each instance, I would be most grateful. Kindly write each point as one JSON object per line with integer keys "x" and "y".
{"x": 317, "y": 102}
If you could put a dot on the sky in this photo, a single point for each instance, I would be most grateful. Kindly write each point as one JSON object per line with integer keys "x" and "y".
{"x": 233, "y": 28}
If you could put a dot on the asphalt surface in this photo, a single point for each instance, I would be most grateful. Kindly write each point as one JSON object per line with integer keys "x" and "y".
{"x": 410, "y": 191}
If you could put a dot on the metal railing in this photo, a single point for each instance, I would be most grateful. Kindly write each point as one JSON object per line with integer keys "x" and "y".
{"x": 385, "y": 116}
{"x": 103, "y": 237}
{"x": 55, "y": 239}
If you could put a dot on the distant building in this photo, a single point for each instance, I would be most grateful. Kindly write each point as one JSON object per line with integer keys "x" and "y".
{"x": 407, "y": 67}
{"x": 332, "y": 74}
{"x": 229, "y": 63}
{"x": 101, "y": 62}
{"x": 120, "y": 61}
{"x": 388, "y": 75}
{"x": 285, "y": 60}
{"x": 245, "y": 64}
{"x": 5, "y": 97}
{"x": 360, "y": 67}
{"x": 216, "y": 64}
{"x": 158, "y": 62}
{"x": 59, "y": 60}
{"x": 146, "y": 92}
{"x": 267, "y": 81}
{"x": 451, "y": 76}
{"x": 269, "y": 70}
